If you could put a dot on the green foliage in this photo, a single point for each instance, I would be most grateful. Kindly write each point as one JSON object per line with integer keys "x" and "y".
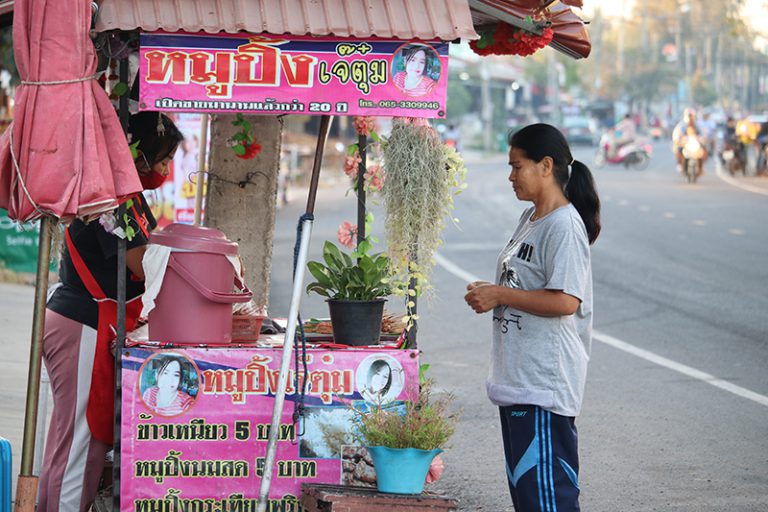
{"x": 344, "y": 277}
{"x": 424, "y": 424}
{"x": 7, "y": 59}
{"x": 703, "y": 91}
{"x": 459, "y": 98}
{"x": 244, "y": 137}
{"x": 134, "y": 149}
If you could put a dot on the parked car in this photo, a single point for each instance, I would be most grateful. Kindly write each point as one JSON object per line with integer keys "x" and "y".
{"x": 579, "y": 130}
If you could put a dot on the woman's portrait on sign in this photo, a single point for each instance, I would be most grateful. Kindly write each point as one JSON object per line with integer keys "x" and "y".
{"x": 379, "y": 379}
{"x": 168, "y": 384}
{"x": 416, "y": 69}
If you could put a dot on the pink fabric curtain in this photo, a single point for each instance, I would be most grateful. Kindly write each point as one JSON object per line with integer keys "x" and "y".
{"x": 72, "y": 159}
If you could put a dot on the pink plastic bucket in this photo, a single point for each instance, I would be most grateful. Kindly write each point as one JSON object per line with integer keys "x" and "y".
{"x": 194, "y": 304}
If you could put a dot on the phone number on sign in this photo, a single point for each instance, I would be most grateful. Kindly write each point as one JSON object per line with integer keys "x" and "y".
{"x": 429, "y": 105}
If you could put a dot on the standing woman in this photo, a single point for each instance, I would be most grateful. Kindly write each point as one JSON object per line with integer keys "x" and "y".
{"x": 542, "y": 320}
{"x": 79, "y": 321}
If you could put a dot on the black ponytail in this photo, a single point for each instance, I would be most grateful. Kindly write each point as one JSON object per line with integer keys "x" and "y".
{"x": 582, "y": 193}
{"x": 541, "y": 140}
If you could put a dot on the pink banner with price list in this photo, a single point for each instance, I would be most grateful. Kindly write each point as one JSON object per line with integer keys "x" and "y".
{"x": 266, "y": 74}
{"x": 196, "y": 422}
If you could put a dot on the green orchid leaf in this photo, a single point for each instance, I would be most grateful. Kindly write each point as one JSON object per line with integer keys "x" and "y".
{"x": 320, "y": 290}
{"x": 134, "y": 149}
{"x": 239, "y": 149}
{"x": 319, "y": 272}
{"x": 119, "y": 89}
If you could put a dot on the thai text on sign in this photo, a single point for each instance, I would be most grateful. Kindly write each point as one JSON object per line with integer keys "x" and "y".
{"x": 196, "y": 423}
{"x": 302, "y": 75}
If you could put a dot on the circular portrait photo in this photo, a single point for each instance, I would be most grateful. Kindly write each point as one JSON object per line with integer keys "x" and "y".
{"x": 415, "y": 69}
{"x": 169, "y": 383}
{"x": 379, "y": 378}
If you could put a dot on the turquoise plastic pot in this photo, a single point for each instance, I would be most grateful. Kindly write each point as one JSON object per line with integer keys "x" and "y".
{"x": 401, "y": 470}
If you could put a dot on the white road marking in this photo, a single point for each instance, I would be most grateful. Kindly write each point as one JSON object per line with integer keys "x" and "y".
{"x": 644, "y": 208}
{"x": 633, "y": 350}
{"x": 699, "y": 222}
{"x": 681, "y": 368}
{"x": 737, "y": 183}
{"x": 669, "y": 215}
{"x": 736, "y": 231}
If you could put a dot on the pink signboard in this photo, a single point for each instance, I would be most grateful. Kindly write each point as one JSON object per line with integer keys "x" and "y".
{"x": 302, "y": 75}
{"x": 195, "y": 423}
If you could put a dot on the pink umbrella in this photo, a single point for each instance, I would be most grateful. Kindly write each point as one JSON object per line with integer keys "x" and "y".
{"x": 65, "y": 154}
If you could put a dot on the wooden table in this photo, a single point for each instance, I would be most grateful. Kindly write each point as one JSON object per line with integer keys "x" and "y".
{"x": 344, "y": 498}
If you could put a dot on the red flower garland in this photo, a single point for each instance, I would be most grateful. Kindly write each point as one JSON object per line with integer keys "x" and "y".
{"x": 509, "y": 40}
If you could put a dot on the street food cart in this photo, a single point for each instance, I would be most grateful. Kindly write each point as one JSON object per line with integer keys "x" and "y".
{"x": 214, "y": 448}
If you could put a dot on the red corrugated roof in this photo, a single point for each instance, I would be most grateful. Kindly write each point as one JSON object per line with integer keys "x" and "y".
{"x": 401, "y": 19}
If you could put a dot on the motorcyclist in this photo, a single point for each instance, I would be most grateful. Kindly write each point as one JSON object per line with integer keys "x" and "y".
{"x": 732, "y": 143}
{"x": 686, "y": 128}
{"x": 622, "y": 134}
{"x": 761, "y": 145}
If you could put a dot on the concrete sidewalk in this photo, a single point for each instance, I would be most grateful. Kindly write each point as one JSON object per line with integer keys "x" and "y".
{"x": 16, "y": 302}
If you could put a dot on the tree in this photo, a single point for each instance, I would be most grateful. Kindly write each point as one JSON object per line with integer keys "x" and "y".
{"x": 459, "y": 98}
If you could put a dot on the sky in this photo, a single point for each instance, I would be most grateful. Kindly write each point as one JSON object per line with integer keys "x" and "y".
{"x": 755, "y": 10}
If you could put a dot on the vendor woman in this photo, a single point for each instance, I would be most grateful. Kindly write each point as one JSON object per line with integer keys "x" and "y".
{"x": 80, "y": 323}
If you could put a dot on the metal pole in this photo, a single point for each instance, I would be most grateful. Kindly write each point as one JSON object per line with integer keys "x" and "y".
{"x": 293, "y": 315}
{"x": 122, "y": 247}
{"x": 26, "y": 486}
{"x": 200, "y": 180}
{"x": 362, "y": 141}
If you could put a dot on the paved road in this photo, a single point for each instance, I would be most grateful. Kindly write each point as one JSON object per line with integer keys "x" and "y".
{"x": 676, "y": 413}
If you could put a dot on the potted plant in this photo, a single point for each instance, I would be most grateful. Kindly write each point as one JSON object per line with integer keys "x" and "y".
{"x": 403, "y": 440}
{"x": 356, "y": 286}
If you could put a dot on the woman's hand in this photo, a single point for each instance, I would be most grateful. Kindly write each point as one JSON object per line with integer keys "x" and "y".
{"x": 482, "y": 296}
{"x": 475, "y": 284}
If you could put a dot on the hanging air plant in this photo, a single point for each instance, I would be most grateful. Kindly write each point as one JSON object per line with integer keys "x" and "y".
{"x": 423, "y": 175}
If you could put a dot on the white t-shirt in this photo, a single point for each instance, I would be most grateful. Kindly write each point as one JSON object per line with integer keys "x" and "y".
{"x": 543, "y": 360}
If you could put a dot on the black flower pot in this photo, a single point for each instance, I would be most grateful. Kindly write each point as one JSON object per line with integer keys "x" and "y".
{"x": 356, "y": 322}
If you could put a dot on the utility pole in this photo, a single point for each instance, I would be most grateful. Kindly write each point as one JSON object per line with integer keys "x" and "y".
{"x": 486, "y": 112}
{"x": 620, "y": 65}
{"x": 553, "y": 84}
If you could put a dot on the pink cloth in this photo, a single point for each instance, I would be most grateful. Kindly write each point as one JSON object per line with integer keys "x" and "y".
{"x": 425, "y": 86}
{"x": 435, "y": 470}
{"x": 180, "y": 404}
{"x": 67, "y": 139}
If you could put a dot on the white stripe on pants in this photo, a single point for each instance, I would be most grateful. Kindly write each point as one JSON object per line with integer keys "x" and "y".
{"x": 73, "y": 458}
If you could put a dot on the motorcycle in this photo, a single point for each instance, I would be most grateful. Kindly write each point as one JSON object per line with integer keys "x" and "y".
{"x": 635, "y": 155}
{"x": 693, "y": 154}
{"x": 732, "y": 157}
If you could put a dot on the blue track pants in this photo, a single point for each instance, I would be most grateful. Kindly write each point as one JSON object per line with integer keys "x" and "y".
{"x": 542, "y": 462}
